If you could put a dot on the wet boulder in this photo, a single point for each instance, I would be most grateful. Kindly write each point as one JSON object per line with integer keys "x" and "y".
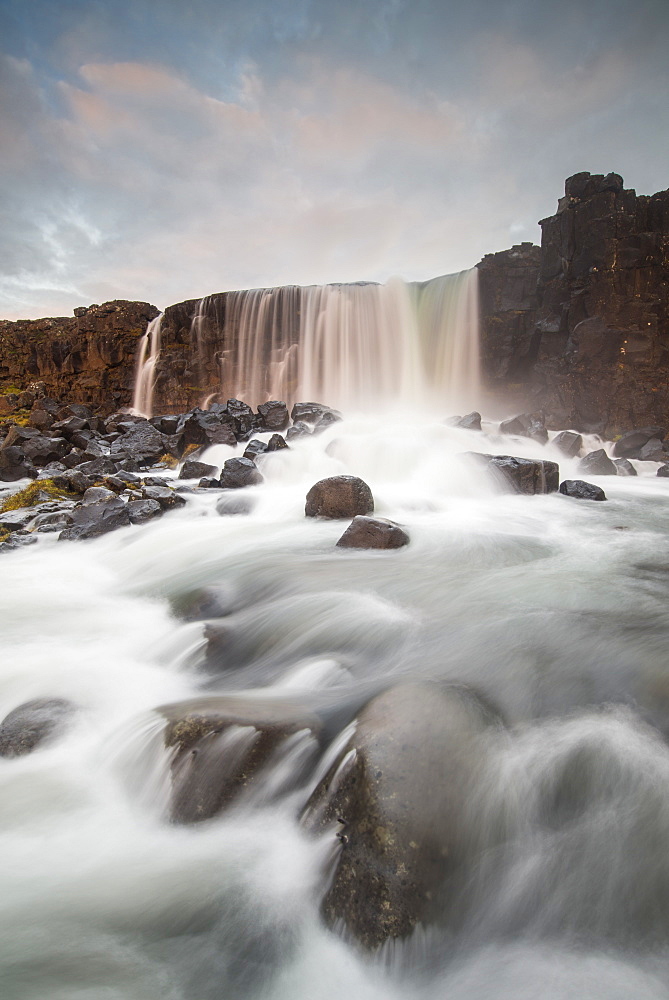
{"x": 240, "y": 472}
{"x": 568, "y": 442}
{"x": 141, "y": 511}
{"x": 273, "y": 415}
{"x": 254, "y": 448}
{"x": 580, "y": 490}
{"x": 15, "y": 465}
{"x": 140, "y": 441}
{"x": 663, "y": 471}
{"x": 234, "y": 505}
{"x": 470, "y": 421}
{"x": 166, "y": 497}
{"x": 206, "y": 427}
{"x": 373, "y": 533}
{"x": 398, "y": 797}
{"x": 629, "y": 445}
{"x": 299, "y": 429}
{"x": 41, "y": 449}
{"x": 652, "y": 451}
{"x": 276, "y": 443}
{"x": 339, "y": 497}
{"x": 243, "y": 417}
{"x": 197, "y": 470}
{"x": 33, "y": 723}
{"x": 530, "y": 425}
{"x": 597, "y": 463}
{"x": 312, "y": 413}
{"x": 523, "y": 475}
{"x": 90, "y": 520}
{"x": 223, "y": 747}
{"x": 624, "y": 467}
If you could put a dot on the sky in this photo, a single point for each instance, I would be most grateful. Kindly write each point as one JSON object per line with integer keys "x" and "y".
{"x": 162, "y": 150}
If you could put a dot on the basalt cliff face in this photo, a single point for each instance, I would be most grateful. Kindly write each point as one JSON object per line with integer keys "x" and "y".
{"x": 88, "y": 358}
{"x": 580, "y": 327}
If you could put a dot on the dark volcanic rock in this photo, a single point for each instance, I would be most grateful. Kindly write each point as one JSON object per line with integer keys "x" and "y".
{"x": 197, "y": 470}
{"x": 580, "y": 490}
{"x": 254, "y": 448}
{"x": 240, "y": 472}
{"x": 597, "y": 463}
{"x": 312, "y": 413}
{"x": 399, "y": 795}
{"x": 663, "y": 471}
{"x": 339, "y": 497}
{"x": 530, "y": 425}
{"x": 523, "y": 475}
{"x": 88, "y": 358}
{"x": 90, "y": 520}
{"x": 630, "y": 444}
{"x": 373, "y": 533}
{"x": 140, "y": 442}
{"x": 569, "y": 443}
{"x": 33, "y": 723}
{"x": 243, "y": 417}
{"x": 652, "y": 451}
{"x": 14, "y": 465}
{"x": 222, "y": 744}
{"x": 276, "y": 443}
{"x": 298, "y": 430}
{"x": 140, "y": 511}
{"x": 163, "y": 495}
{"x": 623, "y": 467}
{"x": 273, "y": 415}
{"x": 584, "y": 333}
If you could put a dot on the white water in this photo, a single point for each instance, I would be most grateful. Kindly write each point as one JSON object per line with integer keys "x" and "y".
{"x": 545, "y": 604}
{"x": 145, "y": 372}
{"x": 352, "y": 345}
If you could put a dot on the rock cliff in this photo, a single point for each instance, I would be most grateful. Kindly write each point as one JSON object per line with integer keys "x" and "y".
{"x": 580, "y": 327}
{"x": 86, "y": 358}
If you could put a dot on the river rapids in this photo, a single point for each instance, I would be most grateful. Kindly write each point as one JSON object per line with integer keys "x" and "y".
{"x": 556, "y": 610}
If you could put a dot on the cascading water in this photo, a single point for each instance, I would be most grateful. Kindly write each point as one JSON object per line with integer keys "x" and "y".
{"x": 362, "y": 345}
{"x": 147, "y": 358}
{"x": 555, "y": 610}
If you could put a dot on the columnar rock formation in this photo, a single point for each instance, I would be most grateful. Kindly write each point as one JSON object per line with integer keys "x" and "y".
{"x": 581, "y": 328}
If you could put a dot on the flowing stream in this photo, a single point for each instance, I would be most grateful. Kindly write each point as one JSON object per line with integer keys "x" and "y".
{"x": 556, "y": 610}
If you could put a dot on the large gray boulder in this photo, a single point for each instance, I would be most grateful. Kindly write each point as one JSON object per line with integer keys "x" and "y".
{"x": 629, "y": 445}
{"x": 568, "y": 442}
{"x": 240, "y": 472}
{"x": 373, "y": 533}
{"x": 140, "y": 442}
{"x": 522, "y": 475}
{"x": 339, "y": 497}
{"x": 90, "y": 520}
{"x": 398, "y": 796}
{"x": 597, "y": 463}
{"x": 32, "y": 723}
{"x": 224, "y": 746}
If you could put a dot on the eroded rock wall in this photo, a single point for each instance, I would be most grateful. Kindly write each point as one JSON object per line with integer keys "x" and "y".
{"x": 591, "y": 345}
{"x": 87, "y": 358}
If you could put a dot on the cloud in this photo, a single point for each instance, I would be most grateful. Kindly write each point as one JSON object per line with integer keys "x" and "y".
{"x": 293, "y": 144}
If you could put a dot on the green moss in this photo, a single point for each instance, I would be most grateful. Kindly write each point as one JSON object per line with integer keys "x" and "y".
{"x": 185, "y": 732}
{"x": 10, "y": 390}
{"x": 36, "y": 492}
{"x": 169, "y": 460}
{"x": 4, "y": 535}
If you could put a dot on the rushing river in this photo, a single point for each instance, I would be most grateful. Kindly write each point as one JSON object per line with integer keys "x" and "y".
{"x": 557, "y": 610}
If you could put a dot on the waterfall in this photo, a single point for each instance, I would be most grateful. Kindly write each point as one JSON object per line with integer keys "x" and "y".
{"x": 142, "y": 400}
{"x": 355, "y": 346}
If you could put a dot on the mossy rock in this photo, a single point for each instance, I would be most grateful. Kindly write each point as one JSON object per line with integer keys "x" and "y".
{"x": 39, "y": 491}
